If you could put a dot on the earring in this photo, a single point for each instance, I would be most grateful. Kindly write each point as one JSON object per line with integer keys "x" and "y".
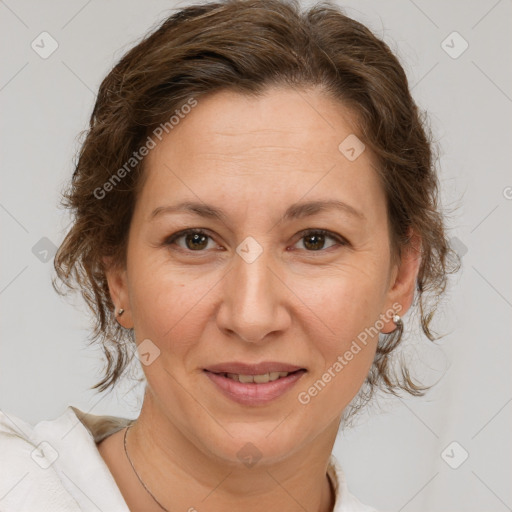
{"x": 397, "y": 320}
{"x": 120, "y": 311}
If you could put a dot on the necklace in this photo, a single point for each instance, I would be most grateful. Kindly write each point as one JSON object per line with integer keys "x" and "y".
{"x": 135, "y": 471}
{"x": 151, "y": 494}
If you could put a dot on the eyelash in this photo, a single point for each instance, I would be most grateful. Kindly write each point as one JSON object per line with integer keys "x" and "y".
{"x": 337, "y": 238}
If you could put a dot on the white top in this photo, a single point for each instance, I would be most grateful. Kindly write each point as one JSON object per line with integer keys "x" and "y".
{"x": 55, "y": 466}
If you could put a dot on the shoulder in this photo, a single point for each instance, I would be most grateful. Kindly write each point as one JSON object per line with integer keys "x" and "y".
{"x": 15, "y": 444}
{"x": 345, "y": 500}
{"x": 55, "y": 465}
{"x": 27, "y": 480}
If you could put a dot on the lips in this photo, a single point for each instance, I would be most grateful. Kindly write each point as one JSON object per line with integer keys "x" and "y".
{"x": 253, "y": 393}
{"x": 253, "y": 369}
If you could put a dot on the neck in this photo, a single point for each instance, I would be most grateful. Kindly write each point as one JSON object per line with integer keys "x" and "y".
{"x": 176, "y": 467}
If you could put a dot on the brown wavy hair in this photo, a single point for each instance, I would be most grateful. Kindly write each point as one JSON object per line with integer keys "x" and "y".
{"x": 247, "y": 46}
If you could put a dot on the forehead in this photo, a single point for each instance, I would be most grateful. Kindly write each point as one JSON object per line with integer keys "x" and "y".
{"x": 278, "y": 147}
{"x": 289, "y": 117}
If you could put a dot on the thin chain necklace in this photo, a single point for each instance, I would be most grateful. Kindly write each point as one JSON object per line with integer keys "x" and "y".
{"x": 146, "y": 487}
{"x": 135, "y": 471}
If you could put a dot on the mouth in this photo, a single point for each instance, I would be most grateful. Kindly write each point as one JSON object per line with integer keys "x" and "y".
{"x": 254, "y": 388}
{"x": 261, "y": 378}
{"x": 240, "y": 368}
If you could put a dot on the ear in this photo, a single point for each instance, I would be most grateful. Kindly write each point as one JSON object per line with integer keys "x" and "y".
{"x": 118, "y": 288}
{"x": 404, "y": 274}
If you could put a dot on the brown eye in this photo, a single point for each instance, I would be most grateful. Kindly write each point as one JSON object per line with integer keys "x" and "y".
{"x": 314, "y": 240}
{"x": 195, "y": 240}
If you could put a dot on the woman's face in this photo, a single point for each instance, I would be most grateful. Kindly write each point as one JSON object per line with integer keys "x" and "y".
{"x": 259, "y": 283}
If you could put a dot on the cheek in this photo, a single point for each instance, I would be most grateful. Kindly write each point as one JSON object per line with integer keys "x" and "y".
{"x": 348, "y": 306}
{"x": 347, "y": 350}
{"x": 169, "y": 307}
{"x": 348, "y": 300}
{"x": 163, "y": 308}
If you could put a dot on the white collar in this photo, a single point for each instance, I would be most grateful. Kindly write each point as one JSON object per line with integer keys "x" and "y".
{"x": 80, "y": 469}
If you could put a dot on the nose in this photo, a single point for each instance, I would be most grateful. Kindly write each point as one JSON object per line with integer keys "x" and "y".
{"x": 254, "y": 300}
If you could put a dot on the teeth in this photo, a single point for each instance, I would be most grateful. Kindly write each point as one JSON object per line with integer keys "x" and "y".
{"x": 258, "y": 379}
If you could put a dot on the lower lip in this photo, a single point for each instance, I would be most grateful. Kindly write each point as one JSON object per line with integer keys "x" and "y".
{"x": 252, "y": 393}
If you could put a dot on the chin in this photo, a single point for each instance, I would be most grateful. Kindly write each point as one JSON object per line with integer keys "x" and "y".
{"x": 260, "y": 443}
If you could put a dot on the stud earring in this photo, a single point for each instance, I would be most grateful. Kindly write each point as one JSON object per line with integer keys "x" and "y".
{"x": 120, "y": 311}
{"x": 397, "y": 320}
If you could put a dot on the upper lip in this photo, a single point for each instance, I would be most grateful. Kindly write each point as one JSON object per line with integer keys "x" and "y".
{"x": 253, "y": 369}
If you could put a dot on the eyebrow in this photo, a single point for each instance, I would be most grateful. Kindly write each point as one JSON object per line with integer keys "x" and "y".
{"x": 295, "y": 211}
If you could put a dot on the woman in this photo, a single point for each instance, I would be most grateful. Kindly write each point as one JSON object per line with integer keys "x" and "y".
{"x": 255, "y": 210}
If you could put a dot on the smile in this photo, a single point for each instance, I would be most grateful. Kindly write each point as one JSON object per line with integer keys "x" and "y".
{"x": 254, "y": 389}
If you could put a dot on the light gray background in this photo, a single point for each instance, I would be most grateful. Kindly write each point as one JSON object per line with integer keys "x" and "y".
{"x": 393, "y": 458}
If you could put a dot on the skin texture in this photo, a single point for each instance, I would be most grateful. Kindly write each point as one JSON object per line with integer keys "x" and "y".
{"x": 252, "y": 157}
